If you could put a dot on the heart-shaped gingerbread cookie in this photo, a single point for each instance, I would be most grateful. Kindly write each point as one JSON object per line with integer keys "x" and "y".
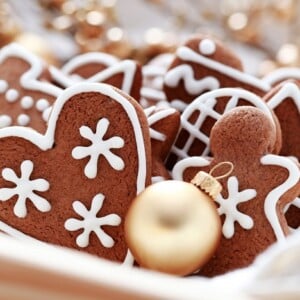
{"x": 73, "y": 185}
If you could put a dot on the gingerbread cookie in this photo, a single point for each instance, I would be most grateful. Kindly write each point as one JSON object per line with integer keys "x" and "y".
{"x": 284, "y": 100}
{"x": 203, "y": 64}
{"x": 101, "y": 67}
{"x": 164, "y": 125}
{"x": 199, "y": 117}
{"x": 73, "y": 185}
{"x": 253, "y": 199}
{"x": 25, "y": 88}
{"x": 153, "y": 79}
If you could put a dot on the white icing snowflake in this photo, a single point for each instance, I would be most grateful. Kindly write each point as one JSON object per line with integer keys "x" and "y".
{"x": 24, "y": 189}
{"x": 92, "y": 223}
{"x": 228, "y": 207}
{"x": 98, "y": 147}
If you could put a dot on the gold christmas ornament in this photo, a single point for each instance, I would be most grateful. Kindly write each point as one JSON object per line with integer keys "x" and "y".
{"x": 173, "y": 226}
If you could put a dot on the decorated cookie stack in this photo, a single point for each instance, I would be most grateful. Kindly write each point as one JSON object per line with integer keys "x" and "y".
{"x": 218, "y": 148}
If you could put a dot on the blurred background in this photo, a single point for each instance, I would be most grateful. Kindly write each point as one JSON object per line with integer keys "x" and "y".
{"x": 264, "y": 33}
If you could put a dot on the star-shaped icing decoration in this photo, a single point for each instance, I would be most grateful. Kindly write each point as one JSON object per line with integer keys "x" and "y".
{"x": 229, "y": 207}
{"x": 90, "y": 222}
{"x": 25, "y": 189}
{"x": 99, "y": 147}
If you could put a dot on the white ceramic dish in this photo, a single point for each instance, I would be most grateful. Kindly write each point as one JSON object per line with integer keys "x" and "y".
{"x": 39, "y": 271}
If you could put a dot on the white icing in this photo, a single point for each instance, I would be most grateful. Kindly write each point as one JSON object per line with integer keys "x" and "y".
{"x": 11, "y": 95}
{"x": 153, "y": 71}
{"x": 42, "y": 104}
{"x": 282, "y": 74}
{"x": 229, "y": 207}
{"x": 24, "y": 189}
{"x": 189, "y": 55}
{"x": 27, "y": 102}
{"x": 99, "y": 147}
{"x": 88, "y": 58}
{"x": 155, "y": 179}
{"x": 288, "y": 90}
{"x": 182, "y": 165}
{"x": 179, "y": 105}
{"x": 154, "y": 117}
{"x": 205, "y": 105}
{"x": 207, "y": 47}
{"x": 45, "y": 142}
{"x": 153, "y": 94}
{"x": 23, "y": 120}
{"x": 46, "y": 113}
{"x": 272, "y": 199}
{"x": 3, "y": 86}
{"x": 91, "y": 223}
{"x": 5, "y": 121}
{"x": 29, "y": 80}
{"x": 61, "y": 78}
{"x": 193, "y": 86}
{"x": 127, "y": 67}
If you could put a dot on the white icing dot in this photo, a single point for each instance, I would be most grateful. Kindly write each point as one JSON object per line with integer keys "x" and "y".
{"x": 27, "y": 102}
{"x": 3, "y": 86}
{"x": 12, "y": 95}
{"x": 23, "y": 120}
{"x": 5, "y": 121}
{"x": 46, "y": 113}
{"x": 42, "y": 104}
{"x": 207, "y": 47}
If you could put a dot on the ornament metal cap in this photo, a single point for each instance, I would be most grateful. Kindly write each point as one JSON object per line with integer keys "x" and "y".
{"x": 210, "y": 184}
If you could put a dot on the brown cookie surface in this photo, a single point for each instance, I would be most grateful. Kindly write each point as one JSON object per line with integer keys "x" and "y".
{"x": 73, "y": 185}
{"x": 254, "y": 196}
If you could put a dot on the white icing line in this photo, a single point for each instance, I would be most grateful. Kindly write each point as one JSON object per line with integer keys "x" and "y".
{"x": 89, "y": 58}
{"x": 282, "y": 74}
{"x": 192, "y": 85}
{"x": 29, "y": 80}
{"x": 181, "y": 166}
{"x": 288, "y": 90}
{"x": 153, "y": 94}
{"x": 190, "y": 55}
{"x": 128, "y": 67}
{"x": 154, "y": 117}
{"x": 61, "y": 78}
{"x": 274, "y": 196}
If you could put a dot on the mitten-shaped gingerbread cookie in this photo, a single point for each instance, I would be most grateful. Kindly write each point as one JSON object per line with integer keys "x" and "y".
{"x": 25, "y": 88}
{"x": 164, "y": 125}
{"x": 254, "y": 197}
{"x": 203, "y": 64}
{"x": 72, "y": 186}
{"x": 101, "y": 67}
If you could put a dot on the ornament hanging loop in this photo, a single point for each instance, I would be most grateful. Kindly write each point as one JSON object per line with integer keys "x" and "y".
{"x": 217, "y": 166}
{"x": 208, "y": 183}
